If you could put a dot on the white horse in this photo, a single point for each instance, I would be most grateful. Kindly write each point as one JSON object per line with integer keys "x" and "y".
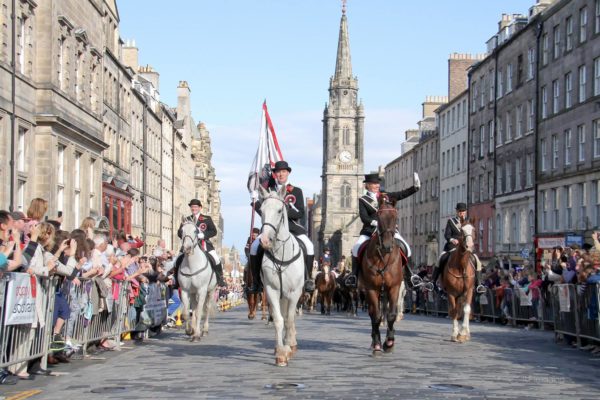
{"x": 282, "y": 272}
{"x": 197, "y": 282}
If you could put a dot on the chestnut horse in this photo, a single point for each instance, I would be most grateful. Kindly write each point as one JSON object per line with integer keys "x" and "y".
{"x": 459, "y": 280}
{"x": 254, "y": 298}
{"x": 382, "y": 274}
{"x": 325, "y": 283}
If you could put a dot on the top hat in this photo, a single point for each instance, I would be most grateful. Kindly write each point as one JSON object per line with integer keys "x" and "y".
{"x": 372, "y": 178}
{"x": 195, "y": 202}
{"x": 279, "y": 165}
{"x": 461, "y": 207}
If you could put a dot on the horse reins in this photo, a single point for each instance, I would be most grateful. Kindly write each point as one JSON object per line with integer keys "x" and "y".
{"x": 195, "y": 243}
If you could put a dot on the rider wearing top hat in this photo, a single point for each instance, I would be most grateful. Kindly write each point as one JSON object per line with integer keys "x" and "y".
{"x": 206, "y": 230}
{"x": 294, "y": 199}
{"x": 452, "y": 234}
{"x": 368, "y": 206}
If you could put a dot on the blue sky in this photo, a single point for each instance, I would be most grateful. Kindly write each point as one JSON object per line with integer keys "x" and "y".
{"x": 235, "y": 53}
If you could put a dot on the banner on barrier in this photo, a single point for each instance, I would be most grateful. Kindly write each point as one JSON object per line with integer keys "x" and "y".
{"x": 564, "y": 299}
{"x": 155, "y": 305}
{"x": 524, "y": 299}
{"x": 20, "y": 301}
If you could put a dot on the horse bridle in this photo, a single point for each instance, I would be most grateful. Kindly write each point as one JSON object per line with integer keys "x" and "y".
{"x": 276, "y": 229}
{"x": 194, "y": 238}
{"x": 381, "y": 233}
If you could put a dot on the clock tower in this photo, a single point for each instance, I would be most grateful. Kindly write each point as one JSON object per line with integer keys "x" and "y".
{"x": 343, "y": 136}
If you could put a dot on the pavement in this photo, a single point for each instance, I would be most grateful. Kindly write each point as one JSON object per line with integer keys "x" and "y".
{"x": 236, "y": 361}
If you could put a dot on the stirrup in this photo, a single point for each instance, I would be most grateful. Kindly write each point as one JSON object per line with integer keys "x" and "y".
{"x": 428, "y": 286}
{"x": 416, "y": 280}
{"x": 480, "y": 289}
{"x": 309, "y": 286}
{"x": 350, "y": 281}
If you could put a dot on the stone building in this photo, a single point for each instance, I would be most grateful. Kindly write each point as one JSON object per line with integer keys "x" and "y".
{"x": 343, "y": 158}
{"x": 568, "y": 132}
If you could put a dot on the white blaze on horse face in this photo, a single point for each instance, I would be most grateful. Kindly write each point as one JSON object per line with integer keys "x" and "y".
{"x": 188, "y": 236}
{"x": 468, "y": 230}
{"x": 272, "y": 212}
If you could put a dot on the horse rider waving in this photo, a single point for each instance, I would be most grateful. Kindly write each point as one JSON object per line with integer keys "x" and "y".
{"x": 206, "y": 230}
{"x": 368, "y": 206}
{"x": 294, "y": 199}
{"x": 452, "y": 234}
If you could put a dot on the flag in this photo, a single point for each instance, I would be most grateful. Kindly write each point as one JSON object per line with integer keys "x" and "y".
{"x": 267, "y": 154}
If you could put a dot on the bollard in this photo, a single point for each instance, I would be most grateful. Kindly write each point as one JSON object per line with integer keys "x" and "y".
{"x": 178, "y": 320}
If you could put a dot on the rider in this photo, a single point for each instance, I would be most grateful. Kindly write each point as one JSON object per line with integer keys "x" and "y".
{"x": 206, "y": 230}
{"x": 452, "y": 234}
{"x": 368, "y": 206}
{"x": 294, "y": 199}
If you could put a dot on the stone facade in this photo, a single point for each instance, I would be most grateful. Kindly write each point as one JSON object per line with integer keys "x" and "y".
{"x": 343, "y": 137}
{"x": 568, "y": 165}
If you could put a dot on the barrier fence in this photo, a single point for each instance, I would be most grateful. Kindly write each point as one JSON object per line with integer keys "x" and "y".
{"x": 568, "y": 309}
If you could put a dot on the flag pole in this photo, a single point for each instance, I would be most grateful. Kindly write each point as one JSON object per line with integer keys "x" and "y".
{"x": 254, "y": 200}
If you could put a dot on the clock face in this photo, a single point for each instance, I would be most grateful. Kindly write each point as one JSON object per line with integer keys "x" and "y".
{"x": 345, "y": 156}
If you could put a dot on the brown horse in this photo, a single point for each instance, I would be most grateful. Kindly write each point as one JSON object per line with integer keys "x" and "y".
{"x": 325, "y": 283}
{"x": 459, "y": 280}
{"x": 254, "y": 298}
{"x": 382, "y": 274}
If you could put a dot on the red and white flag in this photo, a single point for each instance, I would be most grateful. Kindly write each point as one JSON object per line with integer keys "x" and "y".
{"x": 267, "y": 154}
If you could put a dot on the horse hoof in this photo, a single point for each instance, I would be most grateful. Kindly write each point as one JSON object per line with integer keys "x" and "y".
{"x": 388, "y": 346}
{"x": 294, "y": 350}
{"x": 463, "y": 338}
{"x": 194, "y": 339}
{"x": 204, "y": 333}
{"x": 453, "y": 338}
{"x": 281, "y": 361}
{"x": 189, "y": 332}
{"x": 377, "y": 353}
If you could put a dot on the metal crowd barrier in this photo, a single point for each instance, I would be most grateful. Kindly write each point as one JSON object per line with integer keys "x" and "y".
{"x": 590, "y": 314}
{"x": 152, "y": 314}
{"x": 23, "y": 342}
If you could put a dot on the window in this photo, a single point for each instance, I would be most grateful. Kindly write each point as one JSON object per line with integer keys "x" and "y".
{"x": 554, "y": 151}
{"x": 568, "y": 147}
{"x": 509, "y": 78}
{"x": 514, "y": 227}
{"x": 597, "y": 17}
{"x": 475, "y": 97}
{"x": 499, "y": 125}
{"x": 491, "y": 136}
{"x": 61, "y": 164}
{"x": 596, "y": 137}
{"x": 500, "y": 179}
{"x": 490, "y": 238}
{"x": 555, "y": 205}
{"x": 596, "y": 199}
{"x": 530, "y": 116}
{"x": 508, "y": 180}
{"x": 21, "y": 195}
{"x": 519, "y": 132}
{"x": 480, "y": 237}
{"x": 490, "y": 182}
{"x": 518, "y": 180}
{"x": 555, "y": 96}
{"x": 62, "y": 58}
{"x": 544, "y": 200}
{"x": 481, "y": 96}
{"x": 481, "y": 140}
{"x": 444, "y": 172}
{"x": 545, "y": 49}
{"x": 519, "y": 70}
{"x": 530, "y": 63}
{"x": 509, "y": 127}
{"x": 597, "y": 76}
{"x": 529, "y": 170}
{"x": 458, "y": 159}
{"x": 346, "y": 133}
{"x": 556, "y": 36}
{"x": 500, "y": 84}
{"x": 473, "y": 191}
{"x": 568, "y": 206}
{"x": 492, "y": 85}
{"x": 583, "y": 25}
{"x": 21, "y": 152}
{"x": 568, "y": 90}
{"x": 345, "y": 195}
{"x": 581, "y": 140}
{"x": 582, "y": 192}
{"x": 22, "y": 32}
{"x": 582, "y": 83}
{"x": 569, "y": 33}
{"x": 544, "y": 154}
{"x": 498, "y": 229}
{"x": 544, "y": 102}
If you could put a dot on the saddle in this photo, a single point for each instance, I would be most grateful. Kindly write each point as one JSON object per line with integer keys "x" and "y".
{"x": 362, "y": 248}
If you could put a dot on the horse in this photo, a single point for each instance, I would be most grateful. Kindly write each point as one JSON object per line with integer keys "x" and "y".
{"x": 197, "y": 282}
{"x": 382, "y": 274}
{"x": 349, "y": 295}
{"x": 282, "y": 272}
{"x": 325, "y": 283}
{"x": 458, "y": 279}
{"x": 254, "y": 298}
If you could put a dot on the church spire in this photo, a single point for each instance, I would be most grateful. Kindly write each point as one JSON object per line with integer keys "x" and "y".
{"x": 343, "y": 64}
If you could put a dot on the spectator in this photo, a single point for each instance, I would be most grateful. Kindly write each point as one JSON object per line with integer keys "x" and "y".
{"x": 19, "y": 221}
{"x": 87, "y": 225}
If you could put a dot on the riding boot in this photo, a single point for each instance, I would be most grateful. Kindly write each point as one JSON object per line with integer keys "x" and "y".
{"x": 255, "y": 266}
{"x": 178, "y": 262}
{"x": 479, "y": 287}
{"x": 218, "y": 270}
{"x": 309, "y": 285}
{"x": 352, "y": 279}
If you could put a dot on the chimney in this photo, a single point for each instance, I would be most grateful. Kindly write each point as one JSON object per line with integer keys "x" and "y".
{"x": 130, "y": 54}
{"x": 458, "y": 64}
{"x": 183, "y": 99}
{"x": 431, "y": 104}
